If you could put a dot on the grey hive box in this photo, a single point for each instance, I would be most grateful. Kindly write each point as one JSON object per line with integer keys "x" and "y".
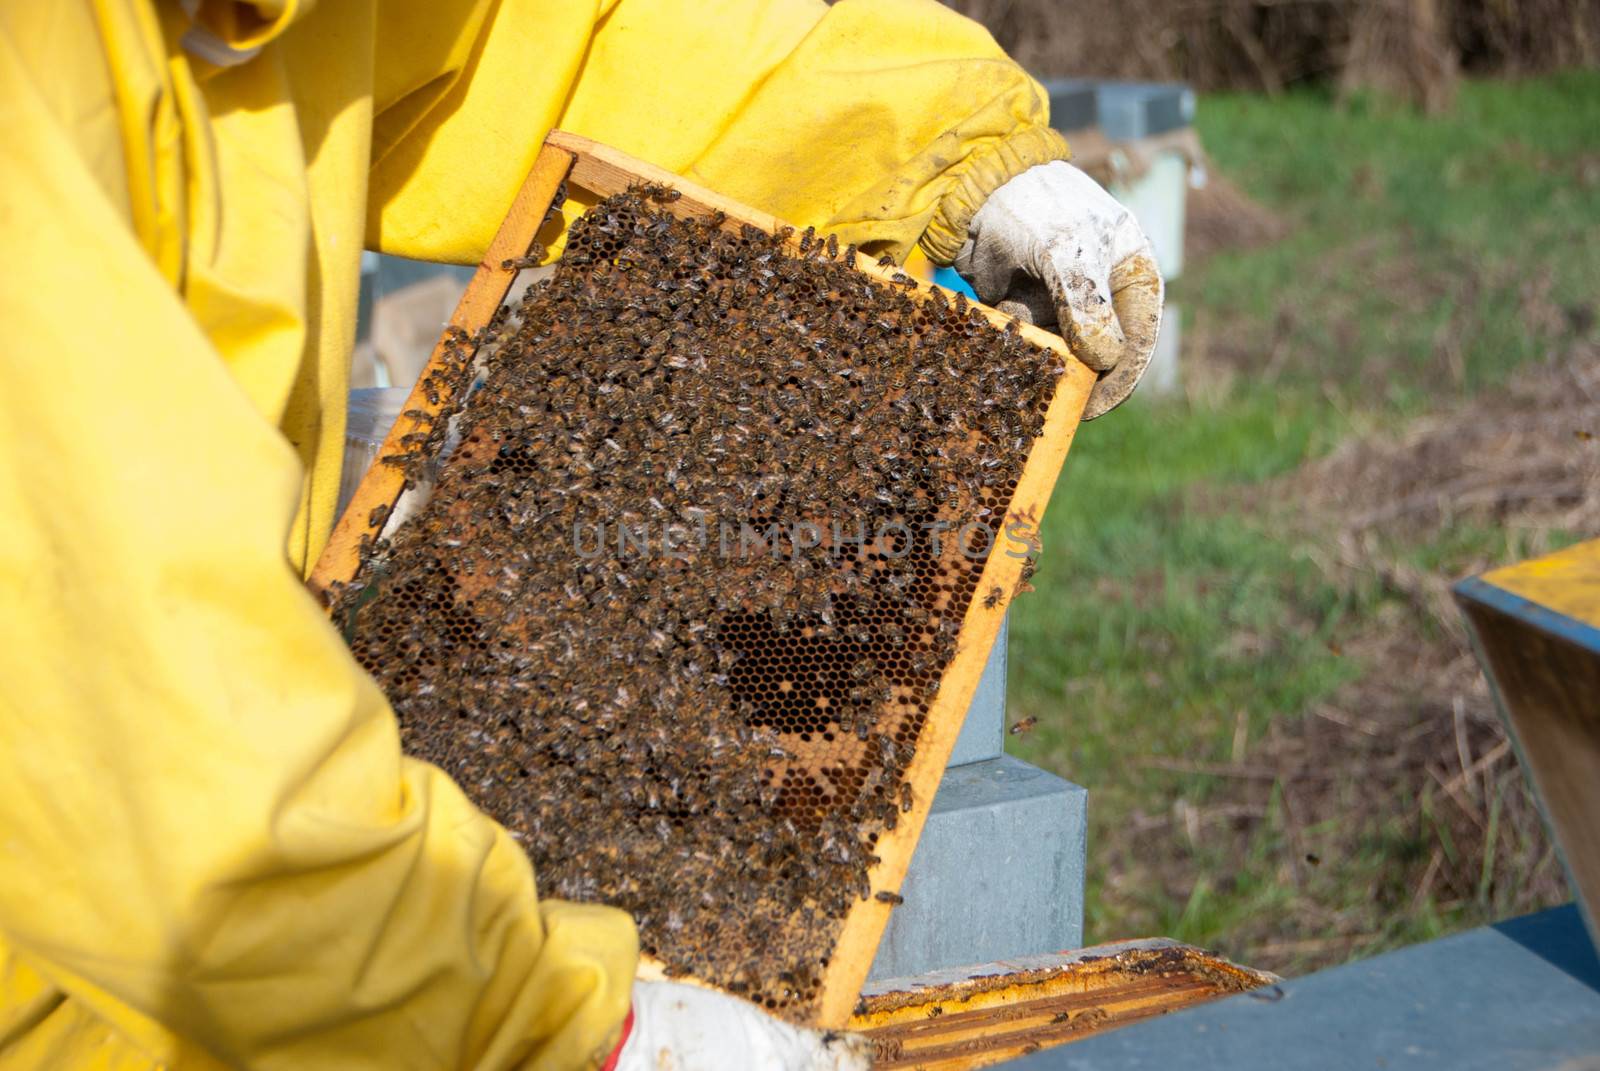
{"x": 999, "y": 871}
{"x": 983, "y": 734}
{"x": 1122, "y": 110}
{"x": 1072, "y": 103}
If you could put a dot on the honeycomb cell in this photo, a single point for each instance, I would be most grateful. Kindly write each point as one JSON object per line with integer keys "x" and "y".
{"x": 710, "y": 733}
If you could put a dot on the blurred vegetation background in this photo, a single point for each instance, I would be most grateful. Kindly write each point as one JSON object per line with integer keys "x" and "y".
{"x": 1242, "y": 640}
{"x": 1413, "y": 49}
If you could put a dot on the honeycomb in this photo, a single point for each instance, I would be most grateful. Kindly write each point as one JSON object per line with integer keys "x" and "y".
{"x": 697, "y": 550}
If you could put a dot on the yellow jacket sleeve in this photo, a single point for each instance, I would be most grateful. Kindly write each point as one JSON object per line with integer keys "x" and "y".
{"x": 884, "y": 121}
{"x": 209, "y": 838}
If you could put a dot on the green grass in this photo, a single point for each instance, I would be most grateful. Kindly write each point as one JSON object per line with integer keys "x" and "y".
{"x": 1407, "y": 224}
{"x": 1152, "y": 625}
{"x": 1430, "y": 258}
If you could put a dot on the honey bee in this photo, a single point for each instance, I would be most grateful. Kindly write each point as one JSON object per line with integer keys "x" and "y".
{"x": 610, "y": 708}
{"x": 534, "y": 255}
{"x": 887, "y": 897}
{"x": 991, "y": 600}
{"x": 1022, "y": 726}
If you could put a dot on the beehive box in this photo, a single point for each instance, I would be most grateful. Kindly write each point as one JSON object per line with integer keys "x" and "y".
{"x": 1536, "y": 628}
{"x": 738, "y": 744}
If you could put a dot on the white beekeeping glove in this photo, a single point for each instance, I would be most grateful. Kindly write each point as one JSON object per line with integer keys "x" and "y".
{"x": 1051, "y": 246}
{"x": 685, "y": 1028}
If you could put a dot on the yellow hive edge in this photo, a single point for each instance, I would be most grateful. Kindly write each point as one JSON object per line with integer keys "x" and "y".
{"x": 1567, "y": 582}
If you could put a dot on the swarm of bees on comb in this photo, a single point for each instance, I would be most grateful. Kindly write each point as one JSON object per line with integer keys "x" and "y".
{"x": 711, "y": 731}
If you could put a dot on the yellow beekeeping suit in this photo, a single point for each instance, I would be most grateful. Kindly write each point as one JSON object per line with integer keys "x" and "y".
{"x": 212, "y": 852}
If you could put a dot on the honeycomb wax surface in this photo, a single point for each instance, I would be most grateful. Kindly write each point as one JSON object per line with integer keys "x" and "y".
{"x": 679, "y": 603}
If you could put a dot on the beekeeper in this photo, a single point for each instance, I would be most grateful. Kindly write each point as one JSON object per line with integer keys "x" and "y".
{"x": 212, "y": 852}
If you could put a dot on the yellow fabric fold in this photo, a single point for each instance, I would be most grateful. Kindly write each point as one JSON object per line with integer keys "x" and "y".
{"x": 247, "y": 26}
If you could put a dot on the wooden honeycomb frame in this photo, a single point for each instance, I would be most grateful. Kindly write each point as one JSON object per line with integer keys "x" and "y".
{"x": 584, "y": 165}
{"x": 963, "y": 1018}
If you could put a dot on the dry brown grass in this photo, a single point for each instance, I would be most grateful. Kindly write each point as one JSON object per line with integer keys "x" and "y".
{"x": 1522, "y": 456}
{"x": 1221, "y": 217}
{"x": 1409, "y": 48}
{"x": 1409, "y": 765}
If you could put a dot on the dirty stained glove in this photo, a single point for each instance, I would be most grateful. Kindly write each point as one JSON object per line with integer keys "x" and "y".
{"x": 1054, "y": 248}
{"x": 675, "y": 1027}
